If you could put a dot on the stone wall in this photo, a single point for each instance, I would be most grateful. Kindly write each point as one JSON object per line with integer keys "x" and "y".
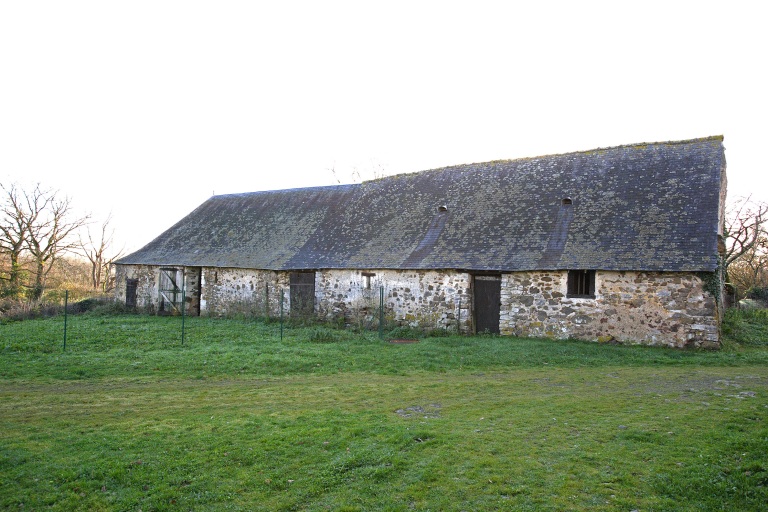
{"x": 146, "y": 291}
{"x": 234, "y": 291}
{"x": 423, "y": 299}
{"x": 652, "y": 308}
{"x": 215, "y": 291}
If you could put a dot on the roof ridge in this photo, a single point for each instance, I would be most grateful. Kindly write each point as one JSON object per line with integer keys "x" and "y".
{"x": 299, "y": 189}
{"x": 551, "y": 155}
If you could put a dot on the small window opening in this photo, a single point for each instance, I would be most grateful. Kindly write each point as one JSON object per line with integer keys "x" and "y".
{"x": 368, "y": 276}
{"x": 581, "y": 284}
{"x": 442, "y": 208}
{"x": 567, "y": 200}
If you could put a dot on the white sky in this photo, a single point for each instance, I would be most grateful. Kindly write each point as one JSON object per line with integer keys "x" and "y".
{"x": 146, "y": 108}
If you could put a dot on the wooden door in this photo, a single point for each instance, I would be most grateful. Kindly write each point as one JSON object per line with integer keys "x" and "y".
{"x": 302, "y": 294}
{"x": 487, "y": 301}
{"x": 169, "y": 291}
{"x": 131, "y": 286}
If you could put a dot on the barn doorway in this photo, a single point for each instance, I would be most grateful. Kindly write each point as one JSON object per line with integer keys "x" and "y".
{"x": 131, "y": 287}
{"x": 169, "y": 291}
{"x": 487, "y": 301}
{"x": 192, "y": 290}
{"x": 177, "y": 287}
{"x": 302, "y": 295}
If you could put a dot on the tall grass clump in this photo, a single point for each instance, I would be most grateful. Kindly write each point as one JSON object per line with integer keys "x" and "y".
{"x": 746, "y": 327}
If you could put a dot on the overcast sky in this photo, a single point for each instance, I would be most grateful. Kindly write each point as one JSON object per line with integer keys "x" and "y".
{"x": 147, "y": 108}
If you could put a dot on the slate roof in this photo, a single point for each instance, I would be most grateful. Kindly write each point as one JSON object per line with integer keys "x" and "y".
{"x": 637, "y": 207}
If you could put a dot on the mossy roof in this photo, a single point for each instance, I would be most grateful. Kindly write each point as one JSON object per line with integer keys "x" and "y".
{"x": 645, "y": 207}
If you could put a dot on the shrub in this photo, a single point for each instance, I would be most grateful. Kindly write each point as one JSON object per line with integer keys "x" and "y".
{"x": 12, "y": 310}
{"x": 758, "y": 293}
{"x": 107, "y": 307}
{"x": 323, "y": 335}
{"x": 441, "y": 333}
{"x": 746, "y": 326}
{"x": 17, "y": 310}
{"x": 404, "y": 333}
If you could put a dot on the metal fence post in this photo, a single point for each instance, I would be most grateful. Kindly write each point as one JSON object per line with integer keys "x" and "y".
{"x": 66, "y": 300}
{"x": 381, "y": 312}
{"x": 183, "y": 301}
{"x": 282, "y": 296}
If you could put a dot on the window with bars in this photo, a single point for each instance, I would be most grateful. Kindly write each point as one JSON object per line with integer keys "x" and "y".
{"x": 581, "y": 284}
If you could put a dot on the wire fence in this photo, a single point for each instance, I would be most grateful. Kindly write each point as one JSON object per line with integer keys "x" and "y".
{"x": 372, "y": 309}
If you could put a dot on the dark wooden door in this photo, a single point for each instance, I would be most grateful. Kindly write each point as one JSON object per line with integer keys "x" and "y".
{"x": 302, "y": 294}
{"x": 487, "y": 303}
{"x": 131, "y": 285}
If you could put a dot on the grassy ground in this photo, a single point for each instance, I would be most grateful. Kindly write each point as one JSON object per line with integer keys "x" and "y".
{"x": 128, "y": 418}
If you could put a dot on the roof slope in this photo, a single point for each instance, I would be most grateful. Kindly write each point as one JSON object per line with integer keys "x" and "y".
{"x": 637, "y": 207}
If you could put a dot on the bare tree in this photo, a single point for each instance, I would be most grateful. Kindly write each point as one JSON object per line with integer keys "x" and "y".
{"x": 98, "y": 251}
{"x": 750, "y": 271}
{"x": 50, "y": 226}
{"x": 13, "y": 235}
{"x": 746, "y": 240}
{"x": 356, "y": 175}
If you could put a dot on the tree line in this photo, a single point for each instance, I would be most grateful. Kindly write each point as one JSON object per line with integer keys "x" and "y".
{"x": 745, "y": 261}
{"x": 41, "y": 234}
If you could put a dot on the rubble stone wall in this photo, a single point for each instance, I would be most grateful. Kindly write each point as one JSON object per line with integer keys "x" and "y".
{"x": 423, "y": 299}
{"x": 653, "y": 308}
{"x": 146, "y": 291}
{"x": 234, "y": 291}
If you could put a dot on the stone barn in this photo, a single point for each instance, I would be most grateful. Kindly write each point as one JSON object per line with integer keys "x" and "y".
{"x": 619, "y": 244}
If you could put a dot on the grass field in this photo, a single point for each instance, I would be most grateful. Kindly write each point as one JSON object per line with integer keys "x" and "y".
{"x": 128, "y": 418}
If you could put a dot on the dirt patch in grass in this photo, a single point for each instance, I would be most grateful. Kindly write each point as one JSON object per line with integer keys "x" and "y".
{"x": 420, "y": 411}
{"x": 696, "y": 382}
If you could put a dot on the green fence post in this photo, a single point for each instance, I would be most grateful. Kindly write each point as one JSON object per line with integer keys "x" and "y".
{"x": 183, "y": 315}
{"x": 282, "y": 296}
{"x": 66, "y": 300}
{"x": 381, "y": 312}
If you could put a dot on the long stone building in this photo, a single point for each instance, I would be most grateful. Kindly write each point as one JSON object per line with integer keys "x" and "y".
{"x": 621, "y": 244}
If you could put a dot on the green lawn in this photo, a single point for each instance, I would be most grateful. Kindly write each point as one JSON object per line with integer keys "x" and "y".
{"x": 128, "y": 418}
